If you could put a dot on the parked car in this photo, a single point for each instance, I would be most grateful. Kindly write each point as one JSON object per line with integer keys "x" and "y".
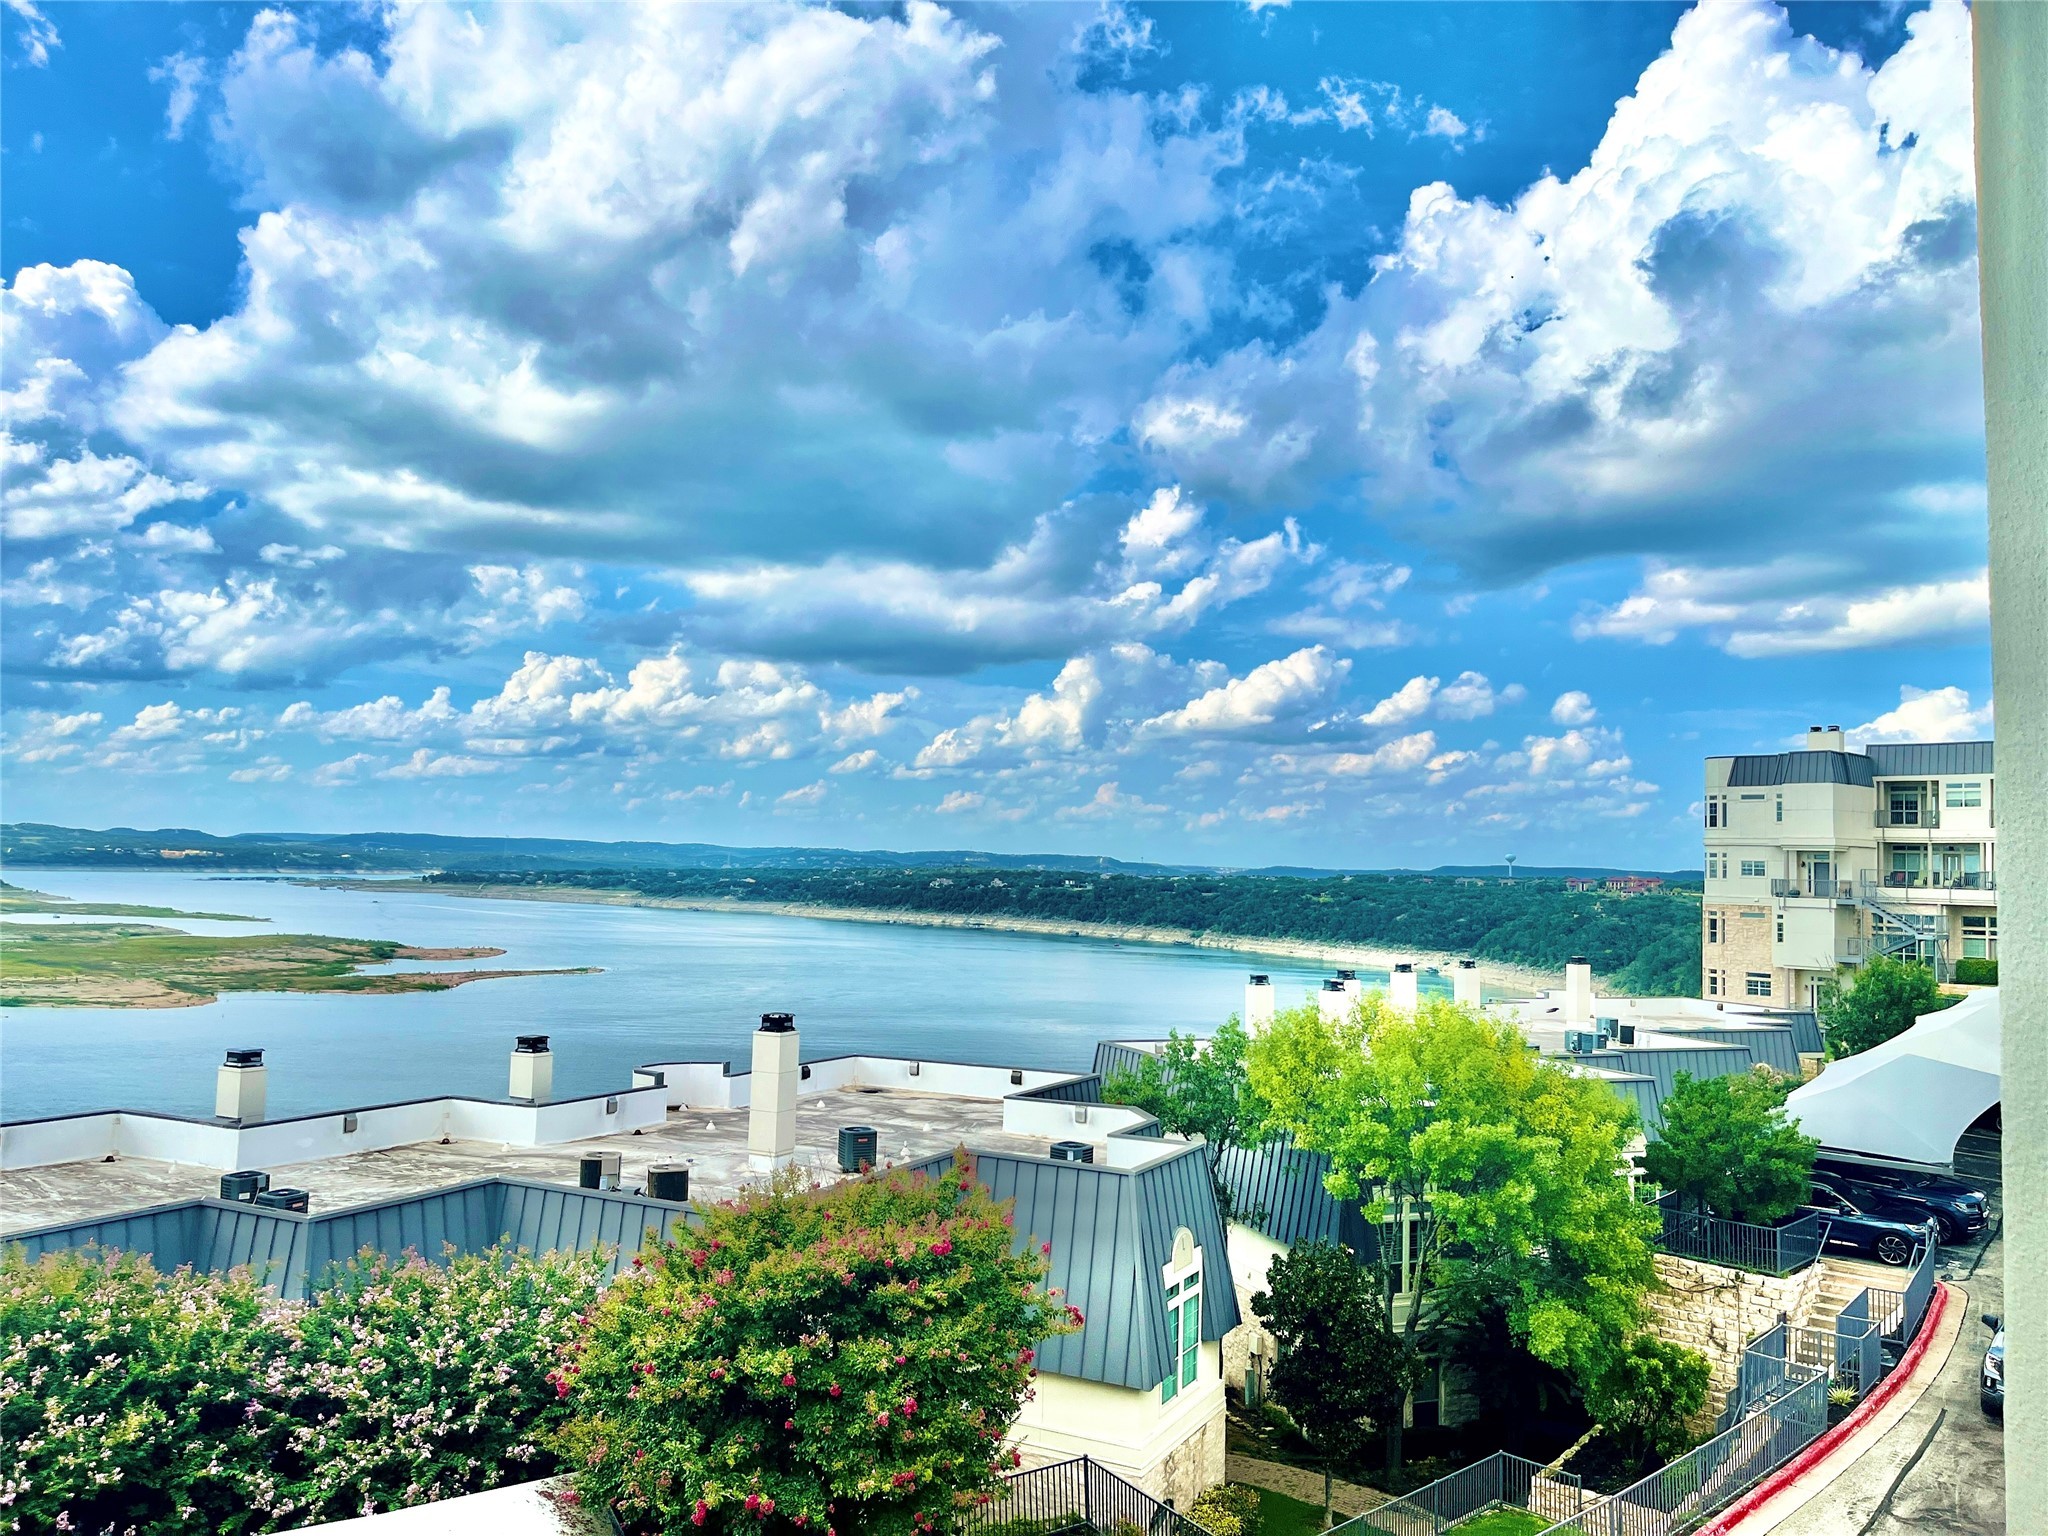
{"x": 1958, "y": 1207}
{"x": 1846, "y": 1227}
{"x": 1991, "y": 1392}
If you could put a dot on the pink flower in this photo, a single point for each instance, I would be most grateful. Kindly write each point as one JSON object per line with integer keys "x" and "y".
{"x": 789, "y": 1423}
{"x": 909, "y": 1406}
{"x": 833, "y": 1390}
{"x": 753, "y": 1502}
{"x": 767, "y": 1507}
{"x": 942, "y": 1247}
{"x": 1046, "y": 1249}
{"x": 718, "y": 1373}
{"x": 882, "y": 1418}
{"x": 1074, "y": 1316}
{"x": 788, "y": 1380}
{"x": 697, "y": 1515}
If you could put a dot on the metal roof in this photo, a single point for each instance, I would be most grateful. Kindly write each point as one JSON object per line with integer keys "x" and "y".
{"x": 1761, "y": 770}
{"x": 1773, "y": 1044}
{"x": 1662, "y": 1064}
{"x": 1278, "y": 1191}
{"x": 1929, "y": 758}
{"x": 1111, "y": 1231}
{"x": 293, "y": 1252}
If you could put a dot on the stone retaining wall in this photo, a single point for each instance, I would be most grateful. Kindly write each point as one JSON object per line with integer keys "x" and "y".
{"x": 1716, "y": 1310}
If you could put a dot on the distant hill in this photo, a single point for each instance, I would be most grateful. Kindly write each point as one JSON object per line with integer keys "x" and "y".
{"x": 30, "y": 844}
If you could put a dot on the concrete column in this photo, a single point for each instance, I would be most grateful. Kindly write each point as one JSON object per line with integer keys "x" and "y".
{"x": 771, "y": 1116}
{"x": 533, "y": 1070}
{"x": 1402, "y": 988}
{"x": 1334, "y": 1002}
{"x": 239, "y": 1087}
{"x": 2011, "y": 62}
{"x": 1578, "y": 991}
{"x": 1258, "y": 1003}
{"x": 1466, "y": 988}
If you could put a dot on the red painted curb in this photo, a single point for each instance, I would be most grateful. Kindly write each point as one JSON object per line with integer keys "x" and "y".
{"x": 1725, "y": 1523}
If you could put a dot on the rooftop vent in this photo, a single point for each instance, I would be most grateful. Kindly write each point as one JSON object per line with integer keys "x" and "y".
{"x": 1404, "y": 967}
{"x": 1072, "y": 1152}
{"x": 249, "y": 1057}
{"x": 1260, "y": 979}
{"x": 1580, "y": 1041}
{"x": 1626, "y": 1034}
{"x": 531, "y": 1044}
{"x": 1347, "y": 975}
{"x": 777, "y": 1023}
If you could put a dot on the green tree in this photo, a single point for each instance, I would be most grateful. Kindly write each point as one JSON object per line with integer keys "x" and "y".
{"x": 1342, "y": 1369}
{"x": 1869, "y": 1004}
{"x": 1197, "y": 1087}
{"x": 846, "y": 1359}
{"x": 1727, "y": 1145}
{"x": 1507, "y": 1170}
{"x": 1648, "y": 1397}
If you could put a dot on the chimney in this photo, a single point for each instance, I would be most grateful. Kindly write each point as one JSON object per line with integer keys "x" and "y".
{"x": 771, "y": 1116}
{"x": 1334, "y": 1001}
{"x": 1824, "y": 738}
{"x": 1354, "y": 989}
{"x": 1401, "y": 987}
{"x": 239, "y": 1086}
{"x": 1578, "y": 991}
{"x": 1465, "y": 986}
{"x": 533, "y": 1070}
{"x": 1258, "y": 1003}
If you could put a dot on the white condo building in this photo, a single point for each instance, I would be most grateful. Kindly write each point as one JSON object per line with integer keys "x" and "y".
{"x": 1824, "y": 857}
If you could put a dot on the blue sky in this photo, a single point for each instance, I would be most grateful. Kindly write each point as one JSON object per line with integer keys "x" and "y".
{"x": 1349, "y": 435}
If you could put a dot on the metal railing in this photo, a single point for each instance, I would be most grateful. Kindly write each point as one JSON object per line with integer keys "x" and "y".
{"x": 1895, "y": 880}
{"x": 1071, "y": 1497}
{"x": 1820, "y": 890}
{"x": 1501, "y": 1481}
{"x": 1778, "y": 1250}
{"x": 1917, "y": 815}
{"x": 1677, "y": 1497}
{"x": 1898, "y": 1313}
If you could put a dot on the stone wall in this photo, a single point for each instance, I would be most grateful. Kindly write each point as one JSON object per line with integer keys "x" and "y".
{"x": 1716, "y": 1310}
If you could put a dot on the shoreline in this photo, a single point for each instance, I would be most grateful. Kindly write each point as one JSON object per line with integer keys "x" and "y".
{"x": 1513, "y": 980}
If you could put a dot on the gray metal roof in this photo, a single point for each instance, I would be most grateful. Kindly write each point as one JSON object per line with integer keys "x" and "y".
{"x": 1111, "y": 1231}
{"x": 1663, "y": 1065}
{"x": 1761, "y": 770}
{"x": 293, "y": 1253}
{"x": 1641, "y": 1091}
{"x": 1929, "y": 758}
{"x": 1277, "y": 1189}
{"x": 1773, "y": 1044}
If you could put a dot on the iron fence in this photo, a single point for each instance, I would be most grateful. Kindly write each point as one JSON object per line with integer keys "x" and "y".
{"x": 1898, "y": 1313}
{"x": 1778, "y": 1250}
{"x": 1072, "y": 1497}
{"x": 1500, "y": 1481}
{"x": 1677, "y": 1497}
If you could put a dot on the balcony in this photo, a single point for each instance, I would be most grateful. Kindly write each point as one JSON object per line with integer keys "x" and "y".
{"x": 1917, "y": 816}
{"x": 1841, "y": 892}
{"x": 1930, "y": 885}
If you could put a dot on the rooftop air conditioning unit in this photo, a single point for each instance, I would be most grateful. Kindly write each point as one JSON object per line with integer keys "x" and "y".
{"x": 1072, "y": 1152}
{"x": 669, "y": 1181}
{"x": 282, "y": 1199}
{"x": 857, "y": 1147}
{"x": 1579, "y": 1041}
{"x": 1627, "y": 1035}
{"x": 244, "y": 1185}
{"x": 598, "y": 1170}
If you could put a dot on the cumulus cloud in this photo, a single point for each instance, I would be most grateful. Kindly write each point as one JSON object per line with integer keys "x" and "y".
{"x": 1574, "y": 708}
{"x": 1928, "y": 714}
{"x": 1774, "y": 611}
{"x": 1263, "y": 695}
{"x": 1109, "y": 803}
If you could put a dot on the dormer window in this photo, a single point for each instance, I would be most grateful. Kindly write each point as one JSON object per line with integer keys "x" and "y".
{"x": 1183, "y": 1279}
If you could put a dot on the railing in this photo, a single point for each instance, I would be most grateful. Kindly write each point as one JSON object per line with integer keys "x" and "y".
{"x": 1965, "y": 880}
{"x": 1778, "y": 1250}
{"x": 1897, "y": 1314}
{"x": 1923, "y": 814}
{"x": 1500, "y": 1481}
{"x": 1074, "y": 1496}
{"x": 1677, "y": 1497}
{"x": 1820, "y": 890}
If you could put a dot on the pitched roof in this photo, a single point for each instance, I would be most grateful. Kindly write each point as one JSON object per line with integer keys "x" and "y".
{"x": 1760, "y": 770}
{"x": 1907, "y": 758}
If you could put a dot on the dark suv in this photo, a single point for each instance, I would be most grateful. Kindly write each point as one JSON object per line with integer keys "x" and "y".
{"x": 1958, "y": 1208}
{"x": 1847, "y": 1226}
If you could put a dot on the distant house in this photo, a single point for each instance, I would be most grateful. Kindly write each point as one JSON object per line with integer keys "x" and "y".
{"x": 1579, "y": 883}
{"x": 1631, "y": 885}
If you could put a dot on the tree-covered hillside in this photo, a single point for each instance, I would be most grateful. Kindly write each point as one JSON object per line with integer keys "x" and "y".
{"x": 1646, "y": 945}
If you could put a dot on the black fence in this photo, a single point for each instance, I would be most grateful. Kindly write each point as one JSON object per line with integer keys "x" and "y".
{"x": 1693, "y": 1234}
{"x": 1075, "y": 1496}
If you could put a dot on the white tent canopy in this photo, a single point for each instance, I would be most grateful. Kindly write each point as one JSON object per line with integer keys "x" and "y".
{"x": 1913, "y": 1096}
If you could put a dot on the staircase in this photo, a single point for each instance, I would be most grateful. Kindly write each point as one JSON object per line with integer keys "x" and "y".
{"x": 1892, "y": 933}
{"x": 1839, "y": 1284}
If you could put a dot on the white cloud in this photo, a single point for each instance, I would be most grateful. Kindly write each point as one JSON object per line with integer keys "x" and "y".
{"x": 185, "y": 73}
{"x": 346, "y": 770}
{"x": 1574, "y": 708}
{"x": 427, "y": 764}
{"x": 35, "y": 32}
{"x": 958, "y": 802}
{"x": 382, "y": 719}
{"x": 46, "y": 737}
{"x": 1108, "y": 803}
{"x": 1470, "y": 696}
{"x": 173, "y": 538}
{"x": 88, "y": 494}
{"x": 1408, "y": 702}
{"x": 267, "y": 770}
{"x": 1260, "y": 697}
{"x": 152, "y": 722}
{"x": 1402, "y": 755}
{"x": 808, "y": 797}
{"x": 1776, "y": 611}
{"x": 857, "y": 762}
{"x": 517, "y": 599}
{"x": 1928, "y": 714}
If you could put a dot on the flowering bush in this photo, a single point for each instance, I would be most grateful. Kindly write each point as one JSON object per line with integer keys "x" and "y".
{"x": 125, "y": 1396}
{"x": 835, "y": 1361}
{"x": 410, "y": 1381}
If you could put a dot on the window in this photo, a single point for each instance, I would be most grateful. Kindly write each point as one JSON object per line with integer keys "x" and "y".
{"x": 1717, "y": 810}
{"x": 1717, "y": 983}
{"x": 1904, "y": 807}
{"x": 1980, "y": 938}
{"x": 1781, "y": 930}
{"x": 1965, "y": 794}
{"x": 1752, "y": 867}
{"x": 1713, "y": 927}
{"x": 1781, "y": 808}
{"x": 1752, "y": 797}
{"x": 1757, "y": 983}
{"x": 1183, "y": 1317}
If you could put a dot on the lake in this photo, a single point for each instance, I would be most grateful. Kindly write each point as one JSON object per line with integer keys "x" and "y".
{"x": 675, "y": 986}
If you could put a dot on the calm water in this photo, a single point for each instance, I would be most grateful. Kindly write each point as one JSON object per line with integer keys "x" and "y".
{"x": 675, "y": 986}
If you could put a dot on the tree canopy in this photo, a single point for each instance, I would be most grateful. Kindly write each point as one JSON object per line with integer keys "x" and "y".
{"x": 1727, "y": 1145}
{"x": 847, "y": 1359}
{"x": 1648, "y": 1398}
{"x": 1508, "y": 1168}
{"x": 1871, "y": 1003}
{"x": 1197, "y": 1087}
{"x": 1342, "y": 1371}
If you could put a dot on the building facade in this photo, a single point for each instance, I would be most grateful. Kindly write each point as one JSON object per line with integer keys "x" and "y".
{"x": 1828, "y": 856}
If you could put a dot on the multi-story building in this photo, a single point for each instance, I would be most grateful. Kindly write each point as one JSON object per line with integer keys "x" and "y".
{"x": 1828, "y": 856}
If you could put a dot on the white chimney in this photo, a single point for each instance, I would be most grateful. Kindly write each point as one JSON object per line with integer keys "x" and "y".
{"x": 771, "y": 1115}
{"x": 1824, "y": 738}
{"x": 1402, "y": 990}
{"x": 533, "y": 1070}
{"x": 239, "y": 1087}
{"x": 1258, "y": 1003}
{"x": 1578, "y": 992}
{"x": 1465, "y": 984}
{"x": 1334, "y": 1002}
{"x": 1354, "y": 989}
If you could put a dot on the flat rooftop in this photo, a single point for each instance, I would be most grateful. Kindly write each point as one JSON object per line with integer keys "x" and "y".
{"x": 911, "y": 1126}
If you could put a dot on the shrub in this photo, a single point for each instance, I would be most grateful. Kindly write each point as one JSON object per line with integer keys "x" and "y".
{"x": 126, "y": 1395}
{"x": 1878, "y": 1000}
{"x": 1229, "y": 1509}
{"x": 411, "y": 1381}
{"x": 1977, "y": 973}
{"x": 1648, "y": 1397}
{"x": 848, "y": 1357}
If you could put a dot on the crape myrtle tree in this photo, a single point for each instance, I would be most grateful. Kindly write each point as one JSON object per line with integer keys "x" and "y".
{"x": 1197, "y": 1087}
{"x": 1869, "y": 1004}
{"x": 1341, "y": 1369}
{"x": 1727, "y": 1145}
{"x": 1507, "y": 1170}
{"x": 840, "y": 1360}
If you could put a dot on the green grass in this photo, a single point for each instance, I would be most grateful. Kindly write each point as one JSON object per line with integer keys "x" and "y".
{"x": 15, "y": 898}
{"x": 1280, "y": 1515}
{"x": 1503, "y": 1522}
